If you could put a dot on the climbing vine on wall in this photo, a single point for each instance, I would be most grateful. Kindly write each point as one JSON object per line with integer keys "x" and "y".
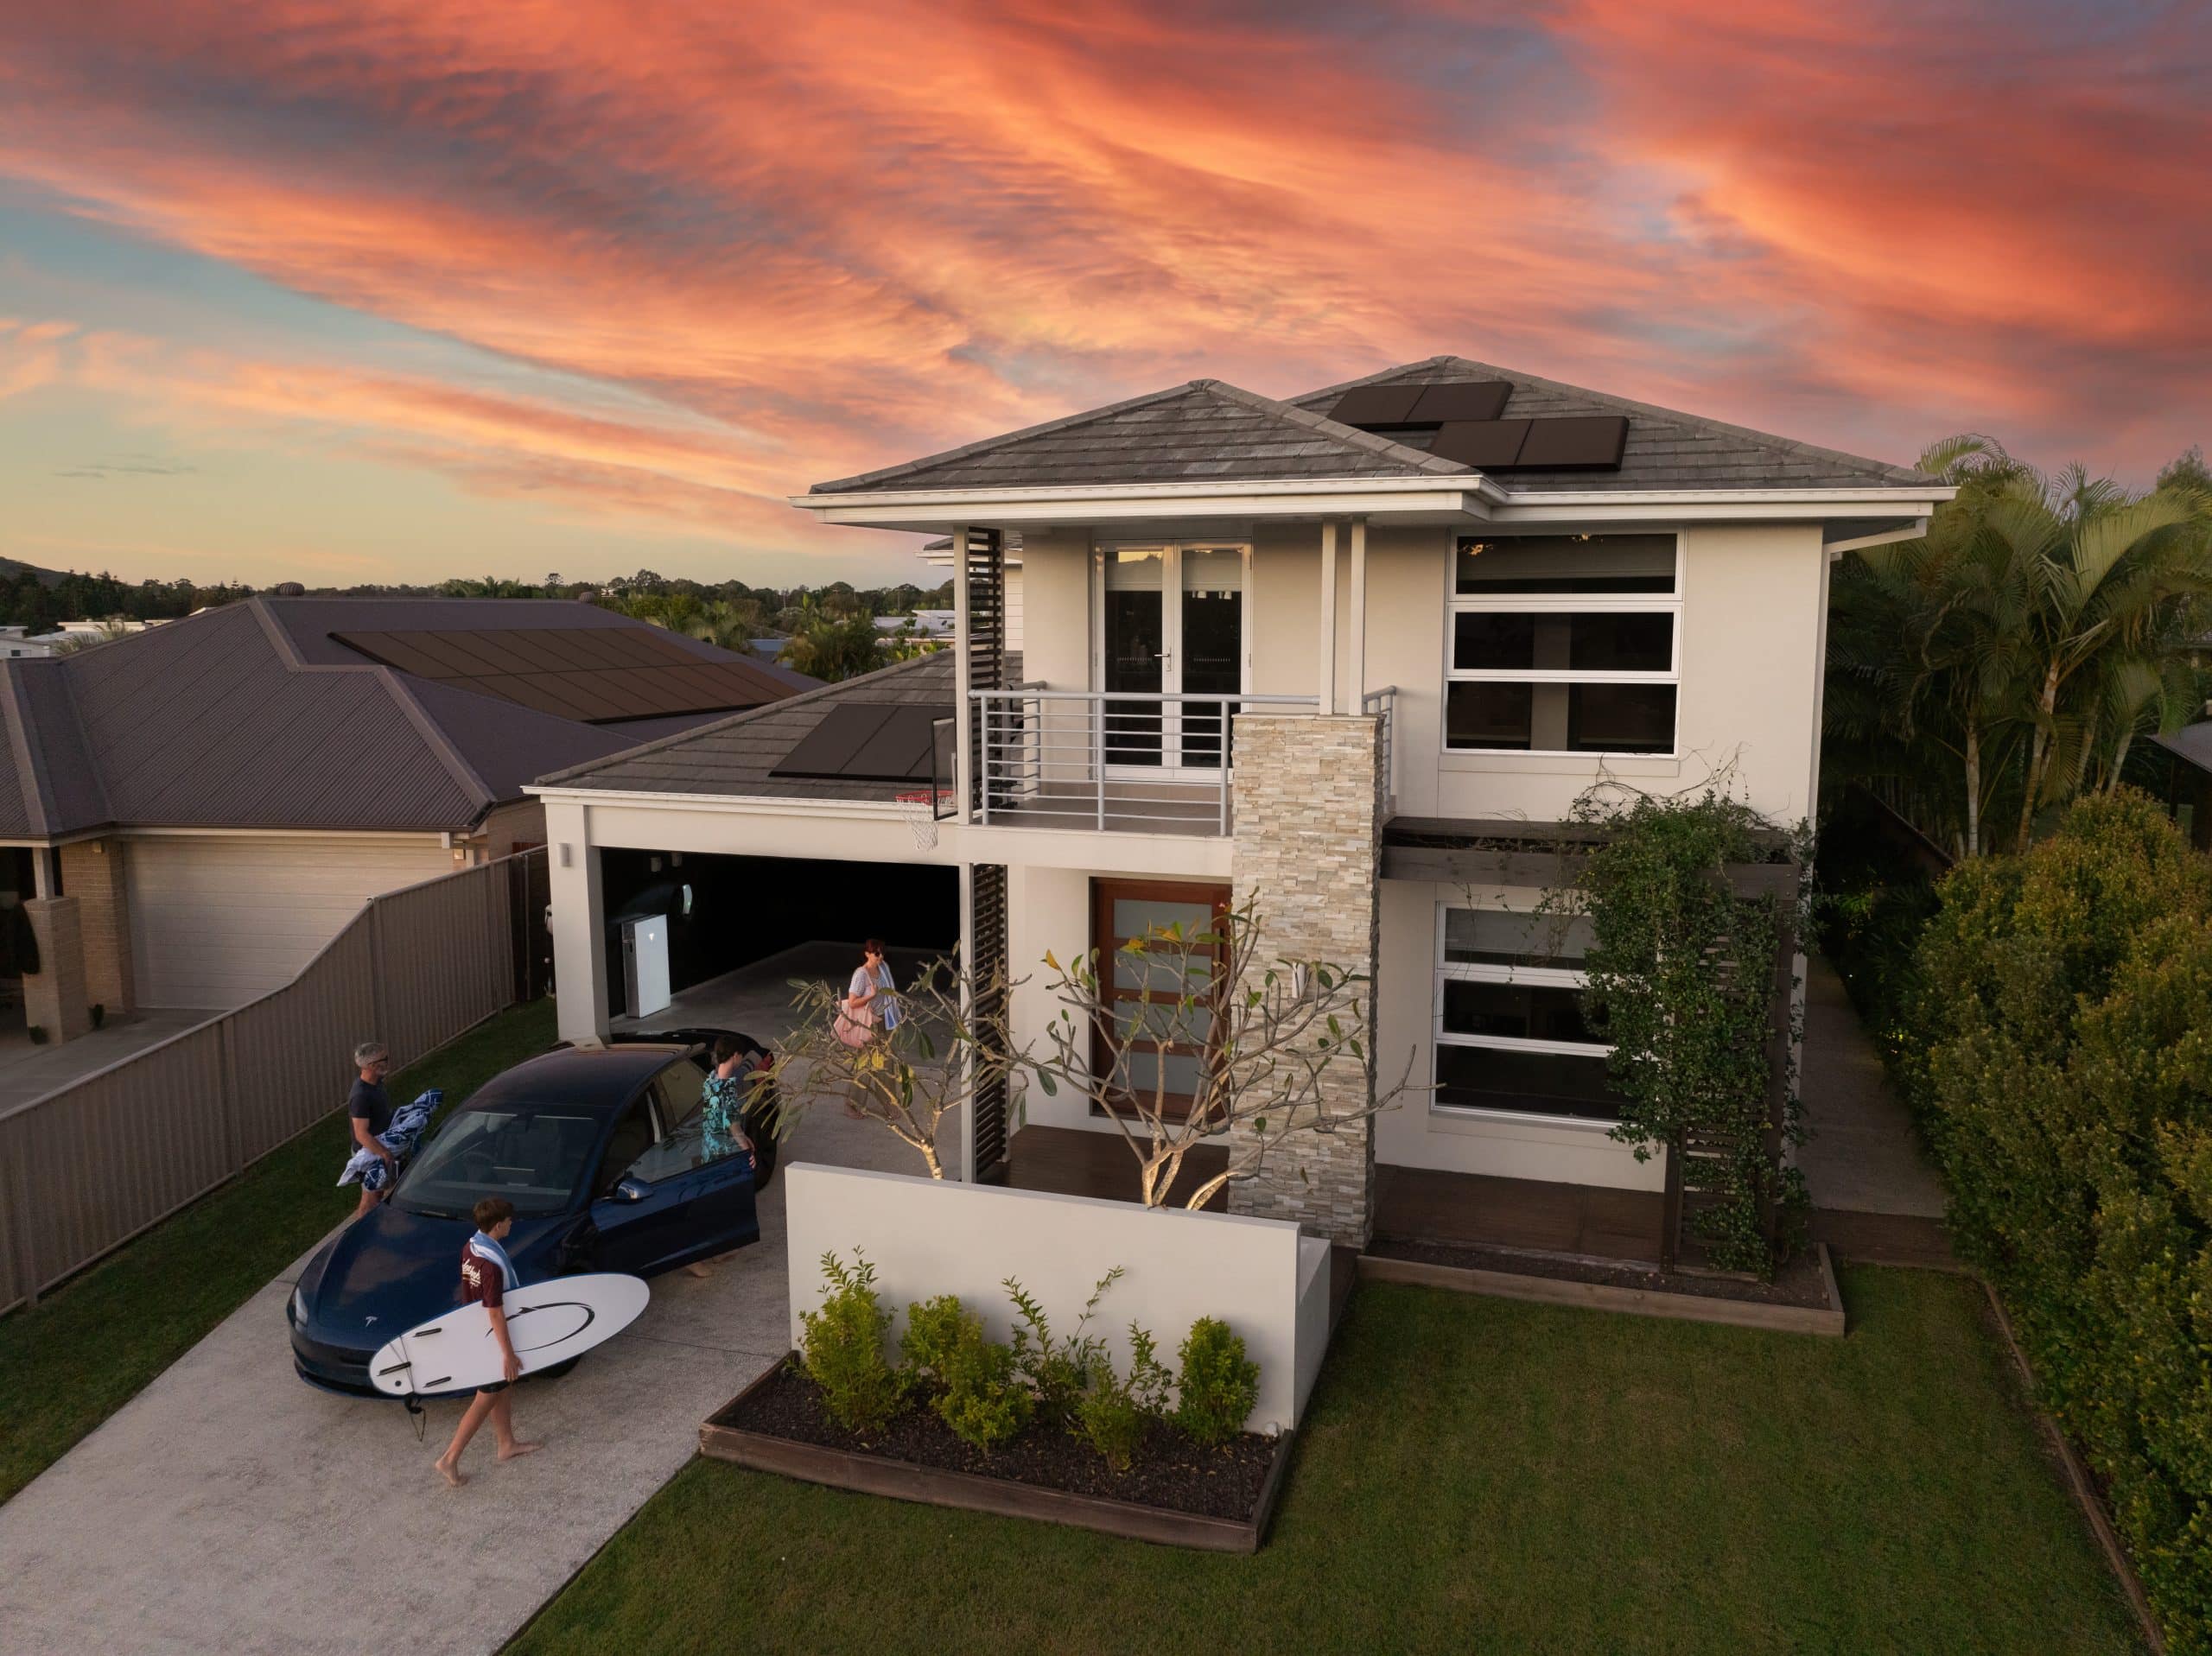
{"x": 1681, "y": 984}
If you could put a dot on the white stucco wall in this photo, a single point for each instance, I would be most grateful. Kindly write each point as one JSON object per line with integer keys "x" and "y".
{"x": 927, "y": 1237}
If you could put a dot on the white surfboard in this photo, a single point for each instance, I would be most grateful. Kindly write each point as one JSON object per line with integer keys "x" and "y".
{"x": 548, "y": 1323}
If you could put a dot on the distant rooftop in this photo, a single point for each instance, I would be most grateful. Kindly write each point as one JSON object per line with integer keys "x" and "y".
{"x": 259, "y": 715}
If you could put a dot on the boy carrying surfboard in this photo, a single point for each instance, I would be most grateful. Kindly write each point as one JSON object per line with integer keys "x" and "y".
{"x": 486, "y": 1277}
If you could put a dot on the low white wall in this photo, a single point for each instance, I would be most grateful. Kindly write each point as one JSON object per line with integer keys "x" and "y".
{"x": 926, "y": 1237}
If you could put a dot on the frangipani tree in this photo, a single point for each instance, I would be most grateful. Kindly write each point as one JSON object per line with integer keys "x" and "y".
{"x": 940, "y": 1050}
{"x": 1270, "y": 1049}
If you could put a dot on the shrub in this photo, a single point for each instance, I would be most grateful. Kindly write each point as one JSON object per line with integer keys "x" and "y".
{"x": 99, "y": 1012}
{"x": 37, "y": 1032}
{"x": 1218, "y": 1384}
{"x": 984, "y": 1401}
{"x": 934, "y": 1330}
{"x": 840, "y": 1348}
{"x": 1059, "y": 1371}
{"x": 2065, "y": 1073}
{"x": 1116, "y": 1412}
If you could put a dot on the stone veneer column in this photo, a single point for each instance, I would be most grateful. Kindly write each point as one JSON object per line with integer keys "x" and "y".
{"x": 1308, "y": 836}
{"x": 92, "y": 872}
{"x": 53, "y": 996}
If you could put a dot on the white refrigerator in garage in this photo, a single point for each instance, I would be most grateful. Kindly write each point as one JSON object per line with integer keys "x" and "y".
{"x": 645, "y": 965}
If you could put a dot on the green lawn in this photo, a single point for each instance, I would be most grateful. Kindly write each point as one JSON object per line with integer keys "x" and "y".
{"x": 62, "y": 1372}
{"x": 1477, "y": 1475}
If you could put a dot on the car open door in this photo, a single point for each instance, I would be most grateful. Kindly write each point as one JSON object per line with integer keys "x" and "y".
{"x": 683, "y": 1195}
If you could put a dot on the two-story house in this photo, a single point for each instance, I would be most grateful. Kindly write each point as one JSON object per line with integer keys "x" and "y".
{"x": 1304, "y": 652}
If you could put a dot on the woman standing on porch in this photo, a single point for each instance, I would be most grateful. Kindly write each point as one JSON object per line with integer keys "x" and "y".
{"x": 858, "y": 1013}
{"x": 871, "y": 981}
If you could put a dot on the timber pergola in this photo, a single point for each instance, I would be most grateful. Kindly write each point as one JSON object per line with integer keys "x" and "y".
{"x": 1477, "y": 853}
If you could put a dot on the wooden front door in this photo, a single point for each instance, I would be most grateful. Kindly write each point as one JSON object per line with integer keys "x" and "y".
{"x": 1124, "y": 910}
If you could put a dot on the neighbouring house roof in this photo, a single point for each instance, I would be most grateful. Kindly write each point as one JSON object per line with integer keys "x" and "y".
{"x": 256, "y": 716}
{"x": 2192, "y": 744}
{"x": 739, "y": 756}
{"x": 1210, "y": 431}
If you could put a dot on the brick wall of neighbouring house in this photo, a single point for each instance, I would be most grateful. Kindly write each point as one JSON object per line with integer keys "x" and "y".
{"x": 53, "y": 996}
{"x": 1308, "y": 831}
{"x": 92, "y": 872}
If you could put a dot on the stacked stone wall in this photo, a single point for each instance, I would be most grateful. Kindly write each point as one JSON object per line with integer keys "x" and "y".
{"x": 1309, "y": 802}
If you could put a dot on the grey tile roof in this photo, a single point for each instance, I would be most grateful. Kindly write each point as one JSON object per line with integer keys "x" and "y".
{"x": 1208, "y": 430}
{"x": 224, "y": 719}
{"x": 1665, "y": 449}
{"x": 2192, "y": 744}
{"x": 734, "y": 755}
{"x": 1205, "y": 430}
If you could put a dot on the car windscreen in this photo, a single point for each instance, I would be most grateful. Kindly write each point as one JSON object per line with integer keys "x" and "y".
{"x": 533, "y": 1157}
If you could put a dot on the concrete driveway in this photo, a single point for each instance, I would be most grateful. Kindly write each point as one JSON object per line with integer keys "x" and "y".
{"x": 230, "y": 1508}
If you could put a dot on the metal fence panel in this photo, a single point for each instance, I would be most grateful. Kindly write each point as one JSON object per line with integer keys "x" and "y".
{"x": 86, "y": 1167}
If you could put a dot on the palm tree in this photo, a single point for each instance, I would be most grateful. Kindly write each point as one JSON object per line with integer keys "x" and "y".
{"x": 2016, "y": 649}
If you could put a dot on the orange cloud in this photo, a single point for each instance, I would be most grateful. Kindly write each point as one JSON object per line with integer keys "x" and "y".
{"x": 782, "y": 242}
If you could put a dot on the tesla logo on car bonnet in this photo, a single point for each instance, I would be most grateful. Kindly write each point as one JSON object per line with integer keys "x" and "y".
{"x": 367, "y": 1320}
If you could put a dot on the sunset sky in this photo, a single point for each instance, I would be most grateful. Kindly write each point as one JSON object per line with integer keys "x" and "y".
{"x": 401, "y": 289}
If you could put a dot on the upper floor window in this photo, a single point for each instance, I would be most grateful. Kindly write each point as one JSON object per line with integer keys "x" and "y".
{"x": 1565, "y": 643}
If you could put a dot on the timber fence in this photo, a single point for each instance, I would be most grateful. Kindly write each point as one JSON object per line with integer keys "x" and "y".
{"x": 88, "y": 1166}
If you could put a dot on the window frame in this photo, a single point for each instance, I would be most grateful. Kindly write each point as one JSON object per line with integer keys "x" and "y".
{"x": 1457, "y": 603}
{"x": 1450, "y": 971}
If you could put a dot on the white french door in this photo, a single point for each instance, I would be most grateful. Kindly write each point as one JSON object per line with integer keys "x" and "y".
{"x": 1171, "y": 628}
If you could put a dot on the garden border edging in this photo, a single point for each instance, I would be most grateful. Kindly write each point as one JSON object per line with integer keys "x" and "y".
{"x": 1606, "y": 1297}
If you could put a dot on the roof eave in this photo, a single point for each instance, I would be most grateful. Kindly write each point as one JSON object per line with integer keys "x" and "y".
{"x": 1478, "y": 498}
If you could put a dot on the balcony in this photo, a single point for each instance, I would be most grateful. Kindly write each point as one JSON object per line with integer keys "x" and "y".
{"x": 1116, "y": 763}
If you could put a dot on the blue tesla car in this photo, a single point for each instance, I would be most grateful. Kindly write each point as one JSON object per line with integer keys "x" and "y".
{"x": 603, "y": 1153}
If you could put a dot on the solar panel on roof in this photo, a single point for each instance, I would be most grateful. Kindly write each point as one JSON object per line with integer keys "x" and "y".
{"x": 1583, "y": 443}
{"x": 1376, "y": 405}
{"x": 1491, "y": 445}
{"x": 597, "y": 675}
{"x": 866, "y": 741}
{"x": 1467, "y": 399}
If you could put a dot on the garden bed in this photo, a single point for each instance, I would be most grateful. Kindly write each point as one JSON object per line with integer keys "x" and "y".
{"x": 1175, "y": 1492}
{"x": 1802, "y": 1298}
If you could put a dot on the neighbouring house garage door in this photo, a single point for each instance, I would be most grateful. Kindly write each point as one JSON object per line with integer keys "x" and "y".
{"x": 216, "y": 922}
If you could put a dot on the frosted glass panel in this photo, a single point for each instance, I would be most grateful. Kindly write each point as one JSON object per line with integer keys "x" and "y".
{"x": 1143, "y": 1073}
{"x": 1212, "y": 571}
{"x": 1135, "y": 915}
{"x": 1129, "y": 570}
{"x": 1505, "y": 937}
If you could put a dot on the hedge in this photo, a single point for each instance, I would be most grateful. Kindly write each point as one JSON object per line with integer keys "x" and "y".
{"x": 2061, "y": 1059}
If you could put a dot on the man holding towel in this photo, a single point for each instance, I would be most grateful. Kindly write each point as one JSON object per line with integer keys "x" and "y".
{"x": 487, "y": 1276}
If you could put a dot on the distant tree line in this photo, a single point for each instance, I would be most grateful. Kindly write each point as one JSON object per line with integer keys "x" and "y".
{"x": 35, "y": 600}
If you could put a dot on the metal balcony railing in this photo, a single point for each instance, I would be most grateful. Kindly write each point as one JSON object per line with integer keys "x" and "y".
{"x": 1384, "y": 701}
{"x": 1155, "y": 764}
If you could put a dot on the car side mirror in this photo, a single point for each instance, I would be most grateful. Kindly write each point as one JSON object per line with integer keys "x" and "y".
{"x": 629, "y": 1191}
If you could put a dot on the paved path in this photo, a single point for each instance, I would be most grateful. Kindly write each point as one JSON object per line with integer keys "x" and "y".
{"x": 27, "y": 1072}
{"x": 229, "y": 1508}
{"x": 1874, "y": 1195}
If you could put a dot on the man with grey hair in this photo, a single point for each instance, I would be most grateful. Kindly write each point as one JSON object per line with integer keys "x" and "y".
{"x": 369, "y": 1113}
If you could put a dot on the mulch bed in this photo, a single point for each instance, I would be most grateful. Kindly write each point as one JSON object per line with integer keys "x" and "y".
{"x": 1170, "y": 1471}
{"x": 1798, "y": 1282}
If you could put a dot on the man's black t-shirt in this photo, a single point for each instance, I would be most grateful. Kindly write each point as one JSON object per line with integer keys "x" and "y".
{"x": 368, "y": 1102}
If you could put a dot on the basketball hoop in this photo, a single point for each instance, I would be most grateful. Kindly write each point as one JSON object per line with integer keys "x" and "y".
{"x": 920, "y": 810}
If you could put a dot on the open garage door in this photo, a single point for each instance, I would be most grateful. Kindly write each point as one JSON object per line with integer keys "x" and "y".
{"x": 723, "y": 913}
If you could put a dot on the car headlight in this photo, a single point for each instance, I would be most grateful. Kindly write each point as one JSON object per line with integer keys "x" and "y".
{"x": 299, "y": 1306}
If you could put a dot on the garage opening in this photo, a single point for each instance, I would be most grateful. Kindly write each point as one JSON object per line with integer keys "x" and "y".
{"x": 703, "y": 940}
